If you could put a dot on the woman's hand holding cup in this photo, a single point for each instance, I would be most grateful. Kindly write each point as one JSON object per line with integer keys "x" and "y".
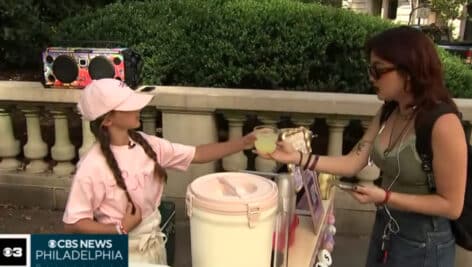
{"x": 268, "y": 147}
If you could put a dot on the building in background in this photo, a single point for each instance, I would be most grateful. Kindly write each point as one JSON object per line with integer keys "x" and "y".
{"x": 399, "y": 11}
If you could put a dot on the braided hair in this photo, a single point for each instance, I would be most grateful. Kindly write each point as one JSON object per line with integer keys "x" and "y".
{"x": 103, "y": 137}
{"x": 138, "y": 138}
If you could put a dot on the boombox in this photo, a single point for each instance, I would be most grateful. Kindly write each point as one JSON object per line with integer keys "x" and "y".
{"x": 66, "y": 67}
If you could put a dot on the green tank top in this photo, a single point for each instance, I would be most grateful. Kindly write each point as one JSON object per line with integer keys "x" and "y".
{"x": 411, "y": 177}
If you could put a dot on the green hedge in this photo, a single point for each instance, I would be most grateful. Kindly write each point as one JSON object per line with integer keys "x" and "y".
{"x": 277, "y": 44}
{"x": 336, "y": 3}
{"x": 26, "y": 27}
{"x": 458, "y": 76}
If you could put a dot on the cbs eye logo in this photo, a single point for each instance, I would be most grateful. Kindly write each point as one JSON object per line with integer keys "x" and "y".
{"x": 13, "y": 252}
{"x": 16, "y": 252}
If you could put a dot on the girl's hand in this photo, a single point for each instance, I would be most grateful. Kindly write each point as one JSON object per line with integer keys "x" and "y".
{"x": 284, "y": 153}
{"x": 130, "y": 220}
{"x": 368, "y": 194}
{"x": 248, "y": 140}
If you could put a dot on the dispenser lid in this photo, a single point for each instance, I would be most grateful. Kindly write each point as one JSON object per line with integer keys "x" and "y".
{"x": 232, "y": 193}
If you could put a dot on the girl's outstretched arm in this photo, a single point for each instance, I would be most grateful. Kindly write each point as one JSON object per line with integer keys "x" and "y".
{"x": 214, "y": 151}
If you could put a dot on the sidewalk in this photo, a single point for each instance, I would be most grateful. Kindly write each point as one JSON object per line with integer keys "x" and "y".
{"x": 350, "y": 250}
{"x": 18, "y": 220}
{"x": 14, "y": 219}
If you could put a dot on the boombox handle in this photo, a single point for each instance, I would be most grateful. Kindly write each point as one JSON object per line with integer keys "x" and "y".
{"x": 98, "y": 44}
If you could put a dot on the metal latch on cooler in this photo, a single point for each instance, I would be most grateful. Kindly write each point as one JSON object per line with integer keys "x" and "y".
{"x": 253, "y": 214}
{"x": 188, "y": 205}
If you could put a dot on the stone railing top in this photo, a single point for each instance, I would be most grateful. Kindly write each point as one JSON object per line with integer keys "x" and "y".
{"x": 209, "y": 99}
{"x": 189, "y": 98}
{"x": 14, "y": 91}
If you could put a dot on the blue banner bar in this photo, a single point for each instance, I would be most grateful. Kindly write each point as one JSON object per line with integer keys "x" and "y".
{"x": 50, "y": 250}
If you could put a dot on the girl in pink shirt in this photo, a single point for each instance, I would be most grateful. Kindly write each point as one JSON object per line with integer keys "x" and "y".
{"x": 119, "y": 182}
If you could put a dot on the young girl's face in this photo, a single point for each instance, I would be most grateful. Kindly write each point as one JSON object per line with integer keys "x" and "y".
{"x": 125, "y": 119}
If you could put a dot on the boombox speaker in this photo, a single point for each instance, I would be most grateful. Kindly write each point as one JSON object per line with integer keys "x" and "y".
{"x": 66, "y": 67}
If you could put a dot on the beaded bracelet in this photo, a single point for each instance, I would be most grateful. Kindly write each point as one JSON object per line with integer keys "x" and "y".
{"x": 301, "y": 157}
{"x": 308, "y": 161}
{"x": 120, "y": 229}
{"x": 312, "y": 166}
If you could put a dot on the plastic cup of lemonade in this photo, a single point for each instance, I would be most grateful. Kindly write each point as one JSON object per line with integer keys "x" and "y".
{"x": 266, "y": 138}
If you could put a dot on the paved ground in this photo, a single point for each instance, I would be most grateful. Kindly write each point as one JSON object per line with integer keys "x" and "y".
{"x": 17, "y": 219}
{"x": 349, "y": 250}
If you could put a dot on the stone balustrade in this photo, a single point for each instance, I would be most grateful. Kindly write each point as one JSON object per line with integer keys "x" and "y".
{"x": 187, "y": 115}
{"x": 36, "y": 163}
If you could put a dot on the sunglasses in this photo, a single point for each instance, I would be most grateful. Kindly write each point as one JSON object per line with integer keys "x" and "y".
{"x": 377, "y": 72}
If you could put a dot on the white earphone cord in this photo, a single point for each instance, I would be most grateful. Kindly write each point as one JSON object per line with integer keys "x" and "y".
{"x": 392, "y": 224}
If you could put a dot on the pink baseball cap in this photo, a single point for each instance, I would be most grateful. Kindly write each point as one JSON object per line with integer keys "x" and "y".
{"x": 104, "y": 95}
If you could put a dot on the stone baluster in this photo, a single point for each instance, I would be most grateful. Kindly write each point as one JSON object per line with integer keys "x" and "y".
{"x": 62, "y": 151}
{"x": 335, "y": 145}
{"x": 189, "y": 128}
{"x": 237, "y": 161}
{"x": 336, "y": 130}
{"x": 305, "y": 121}
{"x": 9, "y": 146}
{"x": 87, "y": 137}
{"x": 370, "y": 172}
{"x": 148, "y": 118}
{"x": 35, "y": 149}
{"x": 266, "y": 165}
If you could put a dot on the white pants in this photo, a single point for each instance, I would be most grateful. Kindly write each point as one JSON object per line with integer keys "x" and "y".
{"x": 147, "y": 242}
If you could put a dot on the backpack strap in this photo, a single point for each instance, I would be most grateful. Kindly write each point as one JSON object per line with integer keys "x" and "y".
{"x": 423, "y": 139}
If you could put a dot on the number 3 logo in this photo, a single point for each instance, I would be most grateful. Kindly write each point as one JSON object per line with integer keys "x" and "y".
{"x": 15, "y": 252}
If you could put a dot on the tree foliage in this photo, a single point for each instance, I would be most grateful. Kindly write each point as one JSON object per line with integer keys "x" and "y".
{"x": 26, "y": 26}
{"x": 263, "y": 44}
{"x": 448, "y": 10}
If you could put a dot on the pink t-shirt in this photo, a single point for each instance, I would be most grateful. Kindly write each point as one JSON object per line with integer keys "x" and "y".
{"x": 95, "y": 194}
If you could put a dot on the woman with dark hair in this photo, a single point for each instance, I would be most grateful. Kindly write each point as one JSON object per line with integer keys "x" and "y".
{"x": 412, "y": 225}
{"x": 119, "y": 182}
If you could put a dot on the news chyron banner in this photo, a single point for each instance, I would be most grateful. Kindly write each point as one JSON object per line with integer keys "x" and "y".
{"x": 51, "y": 250}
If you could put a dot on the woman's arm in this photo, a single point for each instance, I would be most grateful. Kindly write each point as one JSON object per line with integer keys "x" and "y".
{"x": 211, "y": 152}
{"x": 450, "y": 170}
{"x": 346, "y": 165}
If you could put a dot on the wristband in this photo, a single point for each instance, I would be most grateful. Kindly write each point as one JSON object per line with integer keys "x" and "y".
{"x": 120, "y": 229}
{"x": 387, "y": 197}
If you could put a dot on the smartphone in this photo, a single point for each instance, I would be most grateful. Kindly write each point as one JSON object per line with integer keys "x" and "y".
{"x": 346, "y": 185}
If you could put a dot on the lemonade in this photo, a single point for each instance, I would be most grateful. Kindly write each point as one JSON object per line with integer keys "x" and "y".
{"x": 266, "y": 139}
